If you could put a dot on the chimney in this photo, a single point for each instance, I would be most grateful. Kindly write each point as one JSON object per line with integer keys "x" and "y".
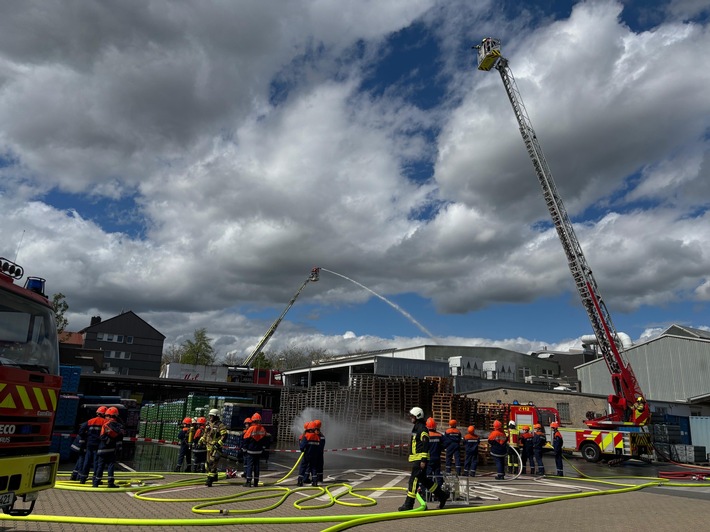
{"x": 95, "y": 320}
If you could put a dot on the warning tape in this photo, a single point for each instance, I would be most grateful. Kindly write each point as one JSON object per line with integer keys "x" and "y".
{"x": 170, "y": 442}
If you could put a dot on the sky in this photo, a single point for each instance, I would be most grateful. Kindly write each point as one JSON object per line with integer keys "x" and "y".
{"x": 193, "y": 161}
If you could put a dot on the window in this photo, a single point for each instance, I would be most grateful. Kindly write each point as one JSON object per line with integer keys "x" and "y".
{"x": 99, "y": 336}
{"x": 119, "y": 338}
{"x": 123, "y": 355}
{"x": 129, "y": 339}
{"x": 547, "y": 372}
{"x": 563, "y": 409}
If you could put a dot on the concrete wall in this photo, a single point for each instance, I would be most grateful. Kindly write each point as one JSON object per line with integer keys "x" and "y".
{"x": 579, "y": 404}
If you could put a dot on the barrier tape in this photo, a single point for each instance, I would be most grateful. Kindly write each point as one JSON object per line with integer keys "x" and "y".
{"x": 169, "y": 442}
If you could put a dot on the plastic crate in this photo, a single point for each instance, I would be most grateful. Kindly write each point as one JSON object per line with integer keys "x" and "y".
{"x": 67, "y": 408}
{"x": 70, "y": 378}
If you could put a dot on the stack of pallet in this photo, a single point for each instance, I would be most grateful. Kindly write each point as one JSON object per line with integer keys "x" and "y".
{"x": 487, "y": 413}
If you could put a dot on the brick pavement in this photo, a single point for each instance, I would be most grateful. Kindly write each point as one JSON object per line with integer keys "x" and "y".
{"x": 660, "y": 508}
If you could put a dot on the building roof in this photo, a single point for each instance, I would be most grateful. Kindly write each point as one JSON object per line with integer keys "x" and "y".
{"x": 101, "y": 325}
{"x": 680, "y": 330}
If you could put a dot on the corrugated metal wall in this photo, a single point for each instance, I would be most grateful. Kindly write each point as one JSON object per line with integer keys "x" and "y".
{"x": 668, "y": 369}
{"x": 700, "y": 431}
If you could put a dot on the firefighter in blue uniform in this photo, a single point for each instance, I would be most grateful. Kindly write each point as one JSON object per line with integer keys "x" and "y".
{"x": 93, "y": 439}
{"x": 434, "y": 465}
{"x": 470, "y": 445}
{"x": 557, "y": 443}
{"x": 452, "y": 444}
{"x": 111, "y": 440}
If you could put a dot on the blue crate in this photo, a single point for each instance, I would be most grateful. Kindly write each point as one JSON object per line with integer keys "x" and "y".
{"x": 67, "y": 408}
{"x": 70, "y": 378}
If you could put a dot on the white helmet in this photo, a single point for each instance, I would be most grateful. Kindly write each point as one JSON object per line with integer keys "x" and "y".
{"x": 417, "y": 412}
{"x": 214, "y": 412}
{"x": 511, "y": 424}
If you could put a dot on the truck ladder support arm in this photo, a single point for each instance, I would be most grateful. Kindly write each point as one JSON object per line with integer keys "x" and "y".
{"x": 624, "y": 382}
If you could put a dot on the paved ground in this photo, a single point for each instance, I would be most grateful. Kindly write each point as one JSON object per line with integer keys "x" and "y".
{"x": 525, "y": 501}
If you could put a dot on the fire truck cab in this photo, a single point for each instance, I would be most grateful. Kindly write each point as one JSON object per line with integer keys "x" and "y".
{"x": 29, "y": 389}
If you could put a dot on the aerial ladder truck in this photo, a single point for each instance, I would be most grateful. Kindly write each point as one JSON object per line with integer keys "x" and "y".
{"x": 312, "y": 278}
{"x": 620, "y": 434}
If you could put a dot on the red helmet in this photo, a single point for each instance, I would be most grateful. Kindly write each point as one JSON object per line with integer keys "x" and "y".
{"x": 452, "y": 423}
{"x": 310, "y": 425}
{"x": 497, "y": 424}
{"x": 305, "y": 425}
{"x": 247, "y": 420}
{"x": 187, "y": 420}
{"x": 537, "y": 426}
{"x": 317, "y": 423}
{"x": 101, "y": 410}
{"x": 112, "y": 411}
{"x": 256, "y": 417}
{"x": 431, "y": 423}
{"x": 201, "y": 420}
{"x": 471, "y": 429}
{"x": 554, "y": 424}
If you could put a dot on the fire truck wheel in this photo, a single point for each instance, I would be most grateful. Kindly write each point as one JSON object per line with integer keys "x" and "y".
{"x": 591, "y": 452}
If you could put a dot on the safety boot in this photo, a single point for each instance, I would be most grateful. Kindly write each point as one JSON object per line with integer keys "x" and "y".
{"x": 208, "y": 482}
{"x": 247, "y": 483}
{"x": 299, "y": 482}
{"x": 443, "y": 496}
{"x": 408, "y": 505}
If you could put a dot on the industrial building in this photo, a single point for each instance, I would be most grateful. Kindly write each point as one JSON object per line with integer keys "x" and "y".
{"x": 472, "y": 367}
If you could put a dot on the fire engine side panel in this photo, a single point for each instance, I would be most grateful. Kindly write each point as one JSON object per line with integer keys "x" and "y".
{"x": 610, "y": 442}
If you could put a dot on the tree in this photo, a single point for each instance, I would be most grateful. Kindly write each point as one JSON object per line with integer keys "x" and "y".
{"x": 172, "y": 353}
{"x": 297, "y": 357}
{"x": 199, "y": 350}
{"x": 260, "y": 361}
{"x": 60, "y": 307}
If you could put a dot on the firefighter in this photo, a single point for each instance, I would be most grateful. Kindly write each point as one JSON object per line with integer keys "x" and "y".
{"x": 79, "y": 446}
{"x": 215, "y": 434}
{"x": 433, "y": 469}
{"x": 310, "y": 447}
{"x": 557, "y": 442}
{"x": 93, "y": 435}
{"x": 184, "y": 441}
{"x": 111, "y": 439}
{"x": 304, "y": 471}
{"x": 452, "y": 444}
{"x": 637, "y": 410}
{"x": 470, "y": 445}
{"x": 317, "y": 424}
{"x": 199, "y": 448}
{"x": 256, "y": 443}
{"x": 526, "y": 450}
{"x": 513, "y": 444}
{"x": 539, "y": 442}
{"x": 240, "y": 444}
{"x": 418, "y": 457}
{"x": 498, "y": 444}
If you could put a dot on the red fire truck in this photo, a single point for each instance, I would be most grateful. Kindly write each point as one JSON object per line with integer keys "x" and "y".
{"x": 29, "y": 389}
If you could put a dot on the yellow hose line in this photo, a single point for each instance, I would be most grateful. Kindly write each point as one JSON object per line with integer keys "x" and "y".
{"x": 300, "y": 457}
{"x": 506, "y": 506}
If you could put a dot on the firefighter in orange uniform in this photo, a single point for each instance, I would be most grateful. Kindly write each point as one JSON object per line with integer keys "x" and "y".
{"x": 185, "y": 441}
{"x": 498, "y": 442}
{"x": 526, "y": 450}
{"x": 93, "y": 439}
{"x": 557, "y": 443}
{"x": 470, "y": 445}
{"x": 111, "y": 440}
{"x": 199, "y": 449}
{"x": 452, "y": 445}
{"x": 256, "y": 442}
{"x": 433, "y": 469}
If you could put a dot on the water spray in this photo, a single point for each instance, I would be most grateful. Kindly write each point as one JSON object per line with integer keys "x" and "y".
{"x": 390, "y": 303}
